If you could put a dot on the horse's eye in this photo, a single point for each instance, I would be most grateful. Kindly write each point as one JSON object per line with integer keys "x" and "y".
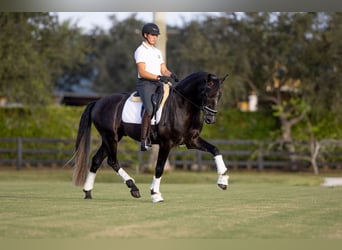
{"x": 210, "y": 84}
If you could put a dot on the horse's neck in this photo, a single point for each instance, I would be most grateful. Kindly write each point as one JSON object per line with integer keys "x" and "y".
{"x": 191, "y": 94}
{"x": 180, "y": 105}
{"x": 183, "y": 107}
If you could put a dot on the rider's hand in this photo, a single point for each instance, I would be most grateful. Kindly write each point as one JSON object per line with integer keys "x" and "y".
{"x": 164, "y": 79}
{"x": 174, "y": 77}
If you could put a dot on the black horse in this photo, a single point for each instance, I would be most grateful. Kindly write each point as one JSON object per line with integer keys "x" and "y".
{"x": 180, "y": 123}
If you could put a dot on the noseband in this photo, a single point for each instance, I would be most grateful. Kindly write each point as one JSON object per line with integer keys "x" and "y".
{"x": 208, "y": 110}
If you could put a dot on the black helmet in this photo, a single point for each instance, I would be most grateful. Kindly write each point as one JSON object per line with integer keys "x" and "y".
{"x": 150, "y": 28}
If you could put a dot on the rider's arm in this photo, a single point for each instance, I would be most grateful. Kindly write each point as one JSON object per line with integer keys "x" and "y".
{"x": 145, "y": 74}
{"x": 164, "y": 70}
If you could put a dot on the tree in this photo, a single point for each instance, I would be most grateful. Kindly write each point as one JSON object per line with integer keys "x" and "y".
{"x": 324, "y": 88}
{"x": 34, "y": 49}
{"x": 291, "y": 60}
{"x": 21, "y": 70}
{"x": 114, "y": 55}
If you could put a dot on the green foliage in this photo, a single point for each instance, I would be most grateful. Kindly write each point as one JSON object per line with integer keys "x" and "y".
{"x": 34, "y": 50}
{"x": 290, "y": 108}
{"x": 49, "y": 122}
{"x": 234, "y": 124}
{"x": 250, "y": 47}
{"x": 324, "y": 127}
{"x": 62, "y": 122}
{"x": 114, "y": 55}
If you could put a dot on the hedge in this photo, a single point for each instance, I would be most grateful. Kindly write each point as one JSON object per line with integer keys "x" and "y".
{"x": 62, "y": 122}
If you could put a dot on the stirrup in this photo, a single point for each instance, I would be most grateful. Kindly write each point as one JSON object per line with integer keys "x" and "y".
{"x": 144, "y": 145}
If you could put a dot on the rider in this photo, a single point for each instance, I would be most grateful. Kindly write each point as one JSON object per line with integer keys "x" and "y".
{"x": 151, "y": 71}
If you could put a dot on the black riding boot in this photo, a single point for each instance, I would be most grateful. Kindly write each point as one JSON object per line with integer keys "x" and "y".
{"x": 145, "y": 132}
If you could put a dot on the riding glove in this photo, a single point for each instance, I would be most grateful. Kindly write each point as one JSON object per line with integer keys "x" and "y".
{"x": 164, "y": 79}
{"x": 174, "y": 77}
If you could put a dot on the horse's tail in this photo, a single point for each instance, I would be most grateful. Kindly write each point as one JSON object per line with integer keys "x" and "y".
{"x": 82, "y": 147}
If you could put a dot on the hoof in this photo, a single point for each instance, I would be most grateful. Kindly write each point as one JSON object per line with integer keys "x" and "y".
{"x": 135, "y": 193}
{"x": 156, "y": 197}
{"x": 87, "y": 195}
{"x": 222, "y": 181}
{"x": 134, "y": 190}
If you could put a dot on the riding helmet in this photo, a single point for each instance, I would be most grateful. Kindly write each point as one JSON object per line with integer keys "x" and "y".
{"x": 150, "y": 28}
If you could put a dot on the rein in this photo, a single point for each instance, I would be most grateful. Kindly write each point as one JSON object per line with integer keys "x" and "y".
{"x": 203, "y": 108}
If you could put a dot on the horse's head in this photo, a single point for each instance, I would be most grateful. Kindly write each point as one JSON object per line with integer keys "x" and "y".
{"x": 211, "y": 96}
{"x": 202, "y": 91}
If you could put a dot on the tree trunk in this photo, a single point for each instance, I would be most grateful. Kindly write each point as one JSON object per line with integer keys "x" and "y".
{"x": 287, "y": 138}
{"x": 314, "y": 150}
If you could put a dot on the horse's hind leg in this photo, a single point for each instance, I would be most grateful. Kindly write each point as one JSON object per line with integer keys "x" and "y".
{"x": 113, "y": 162}
{"x": 96, "y": 163}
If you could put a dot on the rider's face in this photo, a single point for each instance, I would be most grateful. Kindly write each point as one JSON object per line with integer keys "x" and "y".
{"x": 151, "y": 39}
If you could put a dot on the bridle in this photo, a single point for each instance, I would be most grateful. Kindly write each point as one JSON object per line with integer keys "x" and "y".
{"x": 203, "y": 107}
{"x": 207, "y": 110}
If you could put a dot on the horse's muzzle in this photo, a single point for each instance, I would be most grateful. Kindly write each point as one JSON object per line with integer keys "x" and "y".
{"x": 209, "y": 119}
{"x": 209, "y": 115}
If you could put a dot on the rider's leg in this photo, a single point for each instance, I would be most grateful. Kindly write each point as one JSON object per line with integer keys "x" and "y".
{"x": 146, "y": 89}
{"x": 145, "y": 132}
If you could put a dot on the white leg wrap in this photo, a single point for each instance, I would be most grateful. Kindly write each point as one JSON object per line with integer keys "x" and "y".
{"x": 155, "y": 186}
{"x": 157, "y": 197}
{"x": 221, "y": 167}
{"x": 123, "y": 174}
{"x": 155, "y": 190}
{"x": 223, "y": 180}
{"x": 89, "y": 183}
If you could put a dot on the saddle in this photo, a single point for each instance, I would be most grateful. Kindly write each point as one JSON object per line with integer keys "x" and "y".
{"x": 158, "y": 98}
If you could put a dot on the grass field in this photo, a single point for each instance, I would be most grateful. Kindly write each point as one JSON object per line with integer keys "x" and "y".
{"x": 43, "y": 204}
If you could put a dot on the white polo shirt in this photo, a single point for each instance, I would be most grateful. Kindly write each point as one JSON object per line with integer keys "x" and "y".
{"x": 151, "y": 56}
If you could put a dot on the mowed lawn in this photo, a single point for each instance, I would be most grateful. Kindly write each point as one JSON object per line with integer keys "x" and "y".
{"x": 43, "y": 204}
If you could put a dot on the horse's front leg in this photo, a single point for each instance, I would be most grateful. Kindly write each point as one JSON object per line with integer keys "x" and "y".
{"x": 222, "y": 180}
{"x": 222, "y": 170}
{"x": 156, "y": 195}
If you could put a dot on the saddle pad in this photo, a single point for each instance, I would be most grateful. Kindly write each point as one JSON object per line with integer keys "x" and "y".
{"x": 134, "y": 97}
{"x": 131, "y": 112}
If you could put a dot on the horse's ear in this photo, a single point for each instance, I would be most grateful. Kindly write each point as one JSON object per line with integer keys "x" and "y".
{"x": 224, "y": 78}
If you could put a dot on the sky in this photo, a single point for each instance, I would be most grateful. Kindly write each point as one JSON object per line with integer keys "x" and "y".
{"x": 87, "y": 20}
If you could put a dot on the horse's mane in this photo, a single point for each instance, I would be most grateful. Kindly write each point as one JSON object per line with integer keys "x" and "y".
{"x": 193, "y": 77}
